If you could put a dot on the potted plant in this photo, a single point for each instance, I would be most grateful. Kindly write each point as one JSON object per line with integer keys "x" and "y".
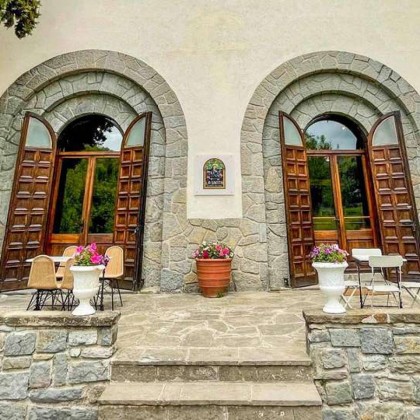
{"x": 330, "y": 262}
{"x": 88, "y": 265}
{"x": 214, "y": 261}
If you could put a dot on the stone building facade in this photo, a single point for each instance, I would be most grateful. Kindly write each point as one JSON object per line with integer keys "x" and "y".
{"x": 113, "y": 83}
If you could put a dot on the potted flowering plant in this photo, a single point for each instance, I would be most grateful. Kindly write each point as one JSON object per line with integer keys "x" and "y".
{"x": 214, "y": 261}
{"x": 330, "y": 262}
{"x": 87, "y": 267}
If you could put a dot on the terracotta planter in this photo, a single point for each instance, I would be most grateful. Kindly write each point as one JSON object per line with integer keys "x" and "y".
{"x": 214, "y": 276}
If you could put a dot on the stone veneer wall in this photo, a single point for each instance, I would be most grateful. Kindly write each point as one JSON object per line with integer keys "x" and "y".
{"x": 121, "y": 86}
{"x": 54, "y": 365}
{"x": 366, "y": 363}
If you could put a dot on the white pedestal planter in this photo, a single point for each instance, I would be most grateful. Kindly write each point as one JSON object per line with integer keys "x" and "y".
{"x": 86, "y": 285}
{"x": 331, "y": 283}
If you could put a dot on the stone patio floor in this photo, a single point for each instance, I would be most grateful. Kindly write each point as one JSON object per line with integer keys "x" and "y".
{"x": 241, "y": 320}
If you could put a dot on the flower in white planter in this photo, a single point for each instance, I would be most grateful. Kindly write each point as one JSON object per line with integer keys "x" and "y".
{"x": 330, "y": 262}
{"x": 88, "y": 266}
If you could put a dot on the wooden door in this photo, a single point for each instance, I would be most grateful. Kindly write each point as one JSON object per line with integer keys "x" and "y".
{"x": 397, "y": 215}
{"x": 29, "y": 202}
{"x": 300, "y": 233}
{"x": 131, "y": 199}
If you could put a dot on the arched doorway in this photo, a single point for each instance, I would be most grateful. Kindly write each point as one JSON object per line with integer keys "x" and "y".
{"x": 334, "y": 190}
{"x": 89, "y": 186}
{"x": 343, "y": 210}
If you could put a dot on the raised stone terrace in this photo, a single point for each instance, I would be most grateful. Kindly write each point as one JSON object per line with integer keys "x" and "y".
{"x": 242, "y": 356}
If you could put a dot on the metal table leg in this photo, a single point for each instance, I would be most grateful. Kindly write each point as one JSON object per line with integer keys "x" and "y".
{"x": 360, "y": 283}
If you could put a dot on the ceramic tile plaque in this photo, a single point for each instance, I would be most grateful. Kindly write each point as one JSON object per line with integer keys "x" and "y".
{"x": 213, "y": 175}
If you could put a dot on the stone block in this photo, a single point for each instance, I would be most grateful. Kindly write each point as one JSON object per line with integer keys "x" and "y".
{"x": 89, "y": 371}
{"x": 51, "y": 341}
{"x": 17, "y": 362}
{"x": 333, "y": 358}
{"x": 98, "y": 352}
{"x": 405, "y": 364}
{"x": 392, "y": 390}
{"x": 60, "y": 364}
{"x": 20, "y": 343}
{"x": 353, "y": 358}
{"x": 62, "y": 413}
{"x": 83, "y": 337}
{"x": 54, "y": 395}
{"x": 374, "y": 362}
{"x": 13, "y": 411}
{"x": 416, "y": 382}
{"x": 363, "y": 386}
{"x": 338, "y": 393}
{"x": 407, "y": 344}
{"x": 346, "y": 337}
{"x": 376, "y": 340}
{"x": 14, "y": 386}
{"x": 339, "y": 413}
{"x": 319, "y": 336}
{"x": 107, "y": 336}
{"x": 40, "y": 375}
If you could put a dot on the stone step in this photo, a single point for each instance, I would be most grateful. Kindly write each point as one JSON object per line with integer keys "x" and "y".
{"x": 205, "y": 400}
{"x": 210, "y": 364}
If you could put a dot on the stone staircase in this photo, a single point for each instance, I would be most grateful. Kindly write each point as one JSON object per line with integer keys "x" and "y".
{"x": 210, "y": 383}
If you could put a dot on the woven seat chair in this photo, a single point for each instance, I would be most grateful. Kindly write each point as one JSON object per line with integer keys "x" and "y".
{"x": 113, "y": 272}
{"x": 67, "y": 285}
{"x": 42, "y": 278}
{"x": 68, "y": 252}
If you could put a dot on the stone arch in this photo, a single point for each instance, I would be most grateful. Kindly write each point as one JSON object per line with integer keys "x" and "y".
{"x": 111, "y": 83}
{"x": 306, "y": 86}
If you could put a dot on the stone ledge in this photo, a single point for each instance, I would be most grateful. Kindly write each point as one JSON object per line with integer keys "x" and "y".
{"x": 58, "y": 319}
{"x": 365, "y": 316}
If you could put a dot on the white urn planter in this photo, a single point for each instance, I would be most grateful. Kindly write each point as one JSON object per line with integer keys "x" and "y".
{"x": 331, "y": 283}
{"x": 86, "y": 285}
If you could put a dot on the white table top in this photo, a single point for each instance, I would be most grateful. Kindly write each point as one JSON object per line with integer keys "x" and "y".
{"x": 365, "y": 258}
{"x": 55, "y": 258}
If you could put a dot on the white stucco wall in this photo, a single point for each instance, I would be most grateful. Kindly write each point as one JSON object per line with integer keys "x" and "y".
{"x": 214, "y": 53}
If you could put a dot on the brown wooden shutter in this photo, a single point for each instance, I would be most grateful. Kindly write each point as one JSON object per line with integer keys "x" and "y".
{"x": 397, "y": 215}
{"x": 297, "y": 196}
{"x": 132, "y": 187}
{"x": 29, "y": 202}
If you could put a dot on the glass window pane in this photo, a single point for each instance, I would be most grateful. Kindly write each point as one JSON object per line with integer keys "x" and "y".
{"x": 323, "y": 211}
{"x": 69, "y": 210}
{"x": 330, "y": 135}
{"x": 385, "y": 133}
{"x": 353, "y": 192}
{"x": 90, "y": 133}
{"x": 292, "y": 135}
{"x": 38, "y": 135}
{"x": 136, "y": 135}
{"x": 104, "y": 196}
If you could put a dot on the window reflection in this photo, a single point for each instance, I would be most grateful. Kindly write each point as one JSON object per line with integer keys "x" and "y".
{"x": 90, "y": 133}
{"x": 330, "y": 135}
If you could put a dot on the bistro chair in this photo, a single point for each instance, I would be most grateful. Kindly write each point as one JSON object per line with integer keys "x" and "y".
{"x": 114, "y": 271}
{"x": 67, "y": 285}
{"x": 413, "y": 289}
{"x": 68, "y": 252}
{"x": 42, "y": 278}
{"x": 382, "y": 285}
{"x": 353, "y": 285}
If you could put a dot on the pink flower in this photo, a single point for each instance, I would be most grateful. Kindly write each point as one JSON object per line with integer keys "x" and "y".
{"x": 96, "y": 259}
{"x": 221, "y": 254}
{"x": 79, "y": 249}
{"x": 205, "y": 254}
{"x": 93, "y": 247}
{"x": 226, "y": 251}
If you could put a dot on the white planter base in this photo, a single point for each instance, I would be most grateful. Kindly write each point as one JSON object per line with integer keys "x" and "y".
{"x": 331, "y": 283}
{"x": 86, "y": 285}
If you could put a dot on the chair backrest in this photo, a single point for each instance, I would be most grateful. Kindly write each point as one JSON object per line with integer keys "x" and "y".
{"x": 366, "y": 251}
{"x": 115, "y": 266}
{"x": 68, "y": 252}
{"x": 68, "y": 279}
{"x": 386, "y": 261}
{"x": 42, "y": 274}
